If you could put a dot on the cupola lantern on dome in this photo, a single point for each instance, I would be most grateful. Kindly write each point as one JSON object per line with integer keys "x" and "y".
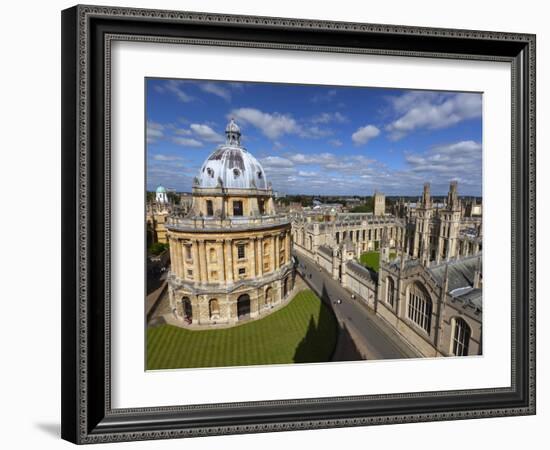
{"x": 233, "y": 133}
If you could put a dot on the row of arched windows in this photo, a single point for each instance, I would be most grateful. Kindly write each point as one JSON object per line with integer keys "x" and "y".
{"x": 243, "y": 304}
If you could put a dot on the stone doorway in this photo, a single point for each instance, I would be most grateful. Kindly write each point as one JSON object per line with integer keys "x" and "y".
{"x": 187, "y": 310}
{"x": 243, "y": 307}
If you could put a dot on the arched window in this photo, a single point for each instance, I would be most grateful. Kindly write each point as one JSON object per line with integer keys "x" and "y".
{"x": 214, "y": 309}
{"x": 461, "y": 337}
{"x": 390, "y": 291}
{"x": 420, "y": 307}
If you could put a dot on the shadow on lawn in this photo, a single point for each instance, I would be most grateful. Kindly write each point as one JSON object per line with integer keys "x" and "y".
{"x": 319, "y": 343}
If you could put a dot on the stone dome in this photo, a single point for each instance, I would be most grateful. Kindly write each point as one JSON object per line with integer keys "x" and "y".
{"x": 231, "y": 166}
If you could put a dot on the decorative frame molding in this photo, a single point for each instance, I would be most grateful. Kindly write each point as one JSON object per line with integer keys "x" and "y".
{"x": 87, "y": 34}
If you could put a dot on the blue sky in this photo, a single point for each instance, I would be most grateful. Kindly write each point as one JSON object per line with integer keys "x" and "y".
{"x": 318, "y": 139}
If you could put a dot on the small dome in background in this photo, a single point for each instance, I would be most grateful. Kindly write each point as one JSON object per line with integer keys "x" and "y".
{"x": 161, "y": 190}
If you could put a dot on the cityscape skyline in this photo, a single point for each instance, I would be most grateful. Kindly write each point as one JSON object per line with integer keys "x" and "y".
{"x": 310, "y": 139}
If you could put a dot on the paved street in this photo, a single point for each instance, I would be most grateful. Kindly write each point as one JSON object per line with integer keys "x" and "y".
{"x": 372, "y": 337}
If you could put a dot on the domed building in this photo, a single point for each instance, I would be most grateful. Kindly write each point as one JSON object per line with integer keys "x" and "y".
{"x": 230, "y": 256}
{"x": 157, "y": 212}
{"x": 161, "y": 195}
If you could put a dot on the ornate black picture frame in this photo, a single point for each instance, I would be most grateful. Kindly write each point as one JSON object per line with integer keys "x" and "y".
{"x": 87, "y": 34}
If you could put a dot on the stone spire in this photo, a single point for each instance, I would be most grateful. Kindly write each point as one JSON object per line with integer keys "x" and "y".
{"x": 452, "y": 197}
{"x": 426, "y": 201}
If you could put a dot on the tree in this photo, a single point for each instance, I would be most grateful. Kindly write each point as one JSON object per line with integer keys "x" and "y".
{"x": 157, "y": 248}
{"x": 367, "y": 207}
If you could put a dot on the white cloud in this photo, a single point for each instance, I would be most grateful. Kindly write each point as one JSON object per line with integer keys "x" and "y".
{"x": 205, "y": 133}
{"x": 365, "y": 134}
{"x": 327, "y": 117}
{"x": 322, "y": 158}
{"x": 160, "y": 157}
{"x": 186, "y": 142}
{"x": 175, "y": 87}
{"x": 305, "y": 173}
{"x": 154, "y": 132}
{"x": 314, "y": 132}
{"x": 183, "y": 132}
{"x": 276, "y": 162}
{"x": 274, "y": 125}
{"x": 432, "y": 111}
{"x": 336, "y": 142}
{"x": 271, "y": 125}
{"x": 216, "y": 89}
{"x": 461, "y": 161}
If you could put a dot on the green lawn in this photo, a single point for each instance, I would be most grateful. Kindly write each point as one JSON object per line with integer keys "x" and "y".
{"x": 303, "y": 331}
{"x": 372, "y": 260}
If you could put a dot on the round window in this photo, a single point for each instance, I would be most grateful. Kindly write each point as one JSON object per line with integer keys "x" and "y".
{"x": 236, "y": 172}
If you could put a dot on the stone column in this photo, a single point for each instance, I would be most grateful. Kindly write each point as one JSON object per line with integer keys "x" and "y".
{"x": 276, "y": 251}
{"x": 196, "y": 262}
{"x": 172, "y": 301}
{"x": 180, "y": 258}
{"x": 184, "y": 265}
{"x": 288, "y": 247}
{"x": 229, "y": 261}
{"x": 260, "y": 271}
{"x": 221, "y": 260}
{"x": 202, "y": 256}
{"x": 174, "y": 257}
{"x": 273, "y": 238}
{"x": 252, "y": 264}
{"x": 255, "y": 305}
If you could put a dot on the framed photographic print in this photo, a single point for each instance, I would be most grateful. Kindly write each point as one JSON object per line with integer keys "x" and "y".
{"x": 281, "y": 224}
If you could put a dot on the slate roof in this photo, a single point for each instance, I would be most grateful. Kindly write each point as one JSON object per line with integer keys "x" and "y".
{"x": 461, "y": 272}
{"x": 470, "y": 296}
{"x": 325, "y": 249}
{"x": 361, "y": 271}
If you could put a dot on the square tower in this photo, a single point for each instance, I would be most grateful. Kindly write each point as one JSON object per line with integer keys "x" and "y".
{"x": 379, "y": 201}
